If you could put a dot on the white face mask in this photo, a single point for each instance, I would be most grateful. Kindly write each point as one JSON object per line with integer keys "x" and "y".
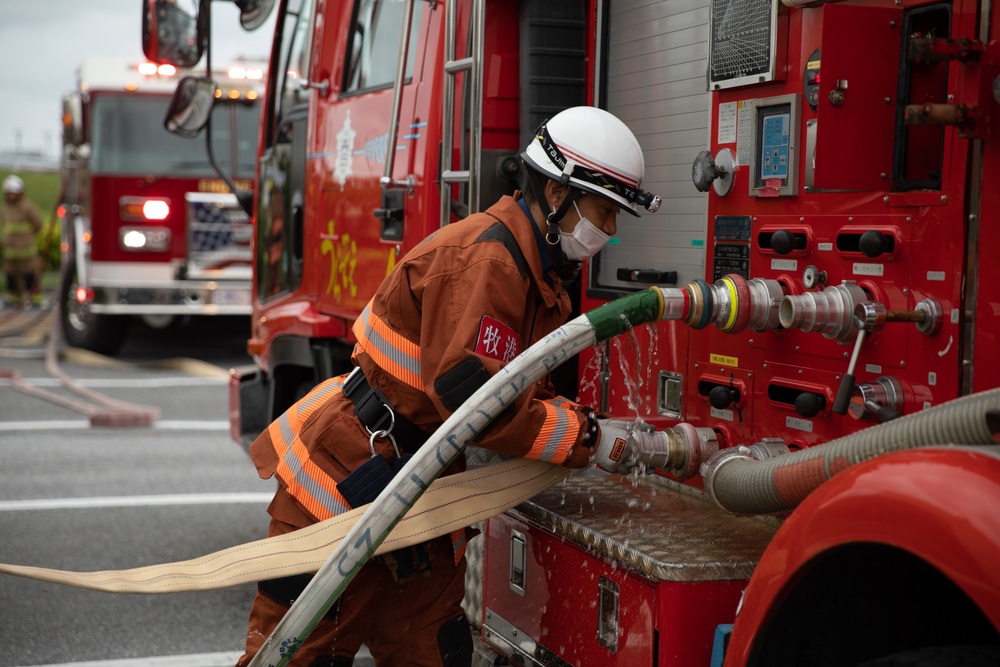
{"x": 585, "y": 241}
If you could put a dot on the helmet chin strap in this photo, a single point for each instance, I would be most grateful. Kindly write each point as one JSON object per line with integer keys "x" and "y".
{"x": 552, "y": 218}
{"x": 566, "y": 268}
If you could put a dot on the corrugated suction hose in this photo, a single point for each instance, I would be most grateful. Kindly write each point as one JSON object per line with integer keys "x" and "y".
{"x": 742, "y": 484}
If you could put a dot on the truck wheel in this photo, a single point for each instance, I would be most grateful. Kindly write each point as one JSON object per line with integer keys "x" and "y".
{"x": 941, "y": 656}
{"x": 103, "y": 334}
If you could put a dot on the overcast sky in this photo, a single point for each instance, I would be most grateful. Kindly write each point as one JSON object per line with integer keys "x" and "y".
{"x": 43, "y": 41}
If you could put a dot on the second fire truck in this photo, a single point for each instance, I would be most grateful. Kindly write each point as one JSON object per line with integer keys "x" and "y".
{"x": 150, "y": 230}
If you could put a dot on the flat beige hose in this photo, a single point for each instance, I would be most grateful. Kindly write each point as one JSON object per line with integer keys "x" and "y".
{"x": 449, "y": 504}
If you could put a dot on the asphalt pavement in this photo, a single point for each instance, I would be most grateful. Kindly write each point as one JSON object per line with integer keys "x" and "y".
{"x": 78, "y": 497}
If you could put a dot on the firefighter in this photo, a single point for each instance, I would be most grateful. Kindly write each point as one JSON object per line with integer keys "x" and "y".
{"x": 455, "y": 310}
{"x": 20, "y": 224}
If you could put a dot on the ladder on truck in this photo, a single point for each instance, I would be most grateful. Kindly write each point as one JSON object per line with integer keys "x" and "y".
{"x": 473, "y": 66}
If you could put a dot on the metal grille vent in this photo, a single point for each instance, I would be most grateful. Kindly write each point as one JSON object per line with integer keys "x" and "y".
{"x": 743, "y": 35}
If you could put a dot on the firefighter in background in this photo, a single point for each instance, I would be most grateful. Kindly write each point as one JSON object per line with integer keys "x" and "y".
{"x": 450, "y": 315}
{"x": 20, "y": 224}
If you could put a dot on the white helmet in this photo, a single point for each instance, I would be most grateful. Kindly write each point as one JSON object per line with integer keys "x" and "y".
{"x": 590, "y": 149}
{"x": 13, "y": 185}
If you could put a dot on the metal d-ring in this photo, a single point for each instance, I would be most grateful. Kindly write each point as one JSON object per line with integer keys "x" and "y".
{"x": 552, "y": 235}
{"x": 383, "y": 433}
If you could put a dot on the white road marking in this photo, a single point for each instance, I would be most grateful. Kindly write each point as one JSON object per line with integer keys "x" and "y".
{"x": 135, "y": 501}
{"x": 83, "y": 424}
{"x": 130, "y": 383}
{"x": 224, "y": 659}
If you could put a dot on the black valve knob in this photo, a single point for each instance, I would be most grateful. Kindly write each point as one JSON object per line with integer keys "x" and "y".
{"x": 704, "y": 171}
{"x": 509, "y": 167}
{"x": 782, "y": 242}
{"x": 808, "y": 404}
{"x": 873, "y": 243}
{"x": 722, "y": 397}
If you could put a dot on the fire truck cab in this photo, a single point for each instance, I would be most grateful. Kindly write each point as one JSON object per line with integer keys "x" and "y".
{"x": 150, "y": 230}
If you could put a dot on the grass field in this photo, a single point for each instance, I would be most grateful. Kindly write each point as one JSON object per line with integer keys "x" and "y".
{"x": 42, "y": 187}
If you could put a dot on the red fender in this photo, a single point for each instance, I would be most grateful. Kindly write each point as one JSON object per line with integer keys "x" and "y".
{"x": 940, "y": 504}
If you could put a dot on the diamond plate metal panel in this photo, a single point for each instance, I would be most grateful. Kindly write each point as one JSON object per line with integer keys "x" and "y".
{"x": 473, "y": 601}
{"x": 660, "y": 530}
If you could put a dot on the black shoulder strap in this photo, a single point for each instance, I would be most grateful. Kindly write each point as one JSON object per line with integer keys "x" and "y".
{"x": 499, "y": 233}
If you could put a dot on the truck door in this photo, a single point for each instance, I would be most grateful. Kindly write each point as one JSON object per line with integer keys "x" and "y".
{"x": 653, "y": 79}
{"x": 355, "y": 249}
{"x": 281, "y": 202}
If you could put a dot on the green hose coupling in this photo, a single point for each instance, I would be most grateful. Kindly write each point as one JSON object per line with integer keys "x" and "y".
{"x": 617, "y": 316}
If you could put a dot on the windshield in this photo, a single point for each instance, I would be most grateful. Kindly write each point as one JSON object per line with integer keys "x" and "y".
{"x": 127, "y": 137}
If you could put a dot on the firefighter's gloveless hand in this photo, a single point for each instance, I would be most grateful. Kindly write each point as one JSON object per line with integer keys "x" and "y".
{"x": 624, "y": 445}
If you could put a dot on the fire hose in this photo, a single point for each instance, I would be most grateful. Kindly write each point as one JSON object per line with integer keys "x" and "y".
{"x": 740, "y": 479}
{"x": 764, "y": 480}
{"x": 450, "y": 503}
{"x": 100, "y": 409}
{"x": 454, "y": 502}
{"x": 463, "y": 499}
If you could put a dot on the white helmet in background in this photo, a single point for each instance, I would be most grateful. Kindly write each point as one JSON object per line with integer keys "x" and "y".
{"x": 13, "y": 185}
{"x": 591, "y": 150}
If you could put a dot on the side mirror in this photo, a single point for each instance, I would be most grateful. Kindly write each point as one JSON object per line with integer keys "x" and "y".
{"x": 72, "y": 120}
{"x": 174, "y": 31}
{"x": 253, "y": 13}
{"x": 191, "y": 106}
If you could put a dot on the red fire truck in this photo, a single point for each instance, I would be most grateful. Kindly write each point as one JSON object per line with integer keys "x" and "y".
{"x": 150, "y": 229}
{"x": 836, "y": 298}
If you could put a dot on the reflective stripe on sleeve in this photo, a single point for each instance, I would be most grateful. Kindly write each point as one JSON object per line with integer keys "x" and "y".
{"x": 20, "y": 253}
{"x": 313, "y": 488}
{"x": 557, "y": 436}
{"x": 562, "y": 401}
{"x": 19, "y": 227}
{"x": 394, "y": 354}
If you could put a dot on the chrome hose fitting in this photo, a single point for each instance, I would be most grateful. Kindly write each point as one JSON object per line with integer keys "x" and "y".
{"x": 765, "y": 299}
{"x": 829, "y": 312}
{"x": 732, "y": 303}
{"x": 690, "y": 446}
{"x": 675, "y": 303}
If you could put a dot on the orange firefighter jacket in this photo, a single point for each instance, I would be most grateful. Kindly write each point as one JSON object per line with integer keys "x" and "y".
{"x": 451, "y": 314}
{"x": 20, "y": 223}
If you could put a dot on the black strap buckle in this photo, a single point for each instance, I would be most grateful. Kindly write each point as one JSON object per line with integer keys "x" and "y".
{"x": 371, "y": 406}
{"x": 377, "y": 413}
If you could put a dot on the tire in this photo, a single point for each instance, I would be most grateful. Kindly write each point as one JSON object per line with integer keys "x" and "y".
{"x": 941, "y": 656}
{"x": 103, "y": 334}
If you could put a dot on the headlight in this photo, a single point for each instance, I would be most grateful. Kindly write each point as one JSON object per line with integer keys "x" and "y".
{"x": 144, "y": 239}
{"x": 140, "y": 209}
